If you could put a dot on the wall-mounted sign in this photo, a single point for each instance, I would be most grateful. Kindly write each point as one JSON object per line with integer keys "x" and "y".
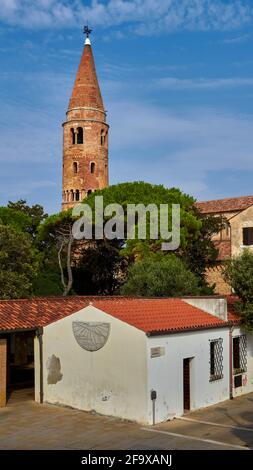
{"x": 91, "y": 336}
{"x": 157, "y": 352}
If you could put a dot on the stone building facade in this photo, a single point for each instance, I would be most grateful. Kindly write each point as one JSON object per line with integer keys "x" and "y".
{"x": 236, "y": 235}
{"x": 85, "y": 136}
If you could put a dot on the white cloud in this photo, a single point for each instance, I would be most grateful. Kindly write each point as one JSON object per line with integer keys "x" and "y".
{"x": 147, "y": 142}
{"x": 153, "y": 144}
{"x": 236, "y": 40}
{"x": 145, "y": 17}
{"x": 202, "y": 83}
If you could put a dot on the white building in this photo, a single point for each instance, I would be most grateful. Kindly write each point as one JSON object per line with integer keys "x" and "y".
{"x": 146, "y": 360}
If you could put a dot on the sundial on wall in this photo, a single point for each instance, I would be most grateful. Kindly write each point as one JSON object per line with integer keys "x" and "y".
{"x": 91, "y": 336}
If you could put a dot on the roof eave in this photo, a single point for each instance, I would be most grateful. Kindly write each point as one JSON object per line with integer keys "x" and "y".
{"x": 187, "y": 330}
{"x": 18, "y": 330}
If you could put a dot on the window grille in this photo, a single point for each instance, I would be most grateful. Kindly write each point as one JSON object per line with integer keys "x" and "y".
{"x": 240, "y": 354}
{"x": 216, "y": 359}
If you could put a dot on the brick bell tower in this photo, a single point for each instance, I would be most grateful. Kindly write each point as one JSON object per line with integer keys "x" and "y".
{"x": 85, "y": 135}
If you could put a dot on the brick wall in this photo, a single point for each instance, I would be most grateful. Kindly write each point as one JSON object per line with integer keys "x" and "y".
{"x": 214, "y": 276}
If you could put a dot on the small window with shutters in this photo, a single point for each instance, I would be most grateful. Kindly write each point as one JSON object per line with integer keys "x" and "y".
{"x": 248, "y": 236}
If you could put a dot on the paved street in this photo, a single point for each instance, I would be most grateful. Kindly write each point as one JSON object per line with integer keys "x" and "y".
{"x": 25, "y": 424}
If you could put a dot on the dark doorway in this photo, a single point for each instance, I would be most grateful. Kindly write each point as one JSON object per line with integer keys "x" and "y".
{"x": 20, "y": 360}
{"x": 186, "y": 385}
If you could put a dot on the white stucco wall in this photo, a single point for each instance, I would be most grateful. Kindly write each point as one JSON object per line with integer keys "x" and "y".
{"x": 111, "y": 381}
{"x": 166, "y": 372}
{"x": 117, "y": 380}
{"x": 247, "y": 377}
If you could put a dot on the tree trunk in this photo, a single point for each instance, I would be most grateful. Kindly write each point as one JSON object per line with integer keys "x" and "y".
{"x": 60, "y": 266}
{"x": 68, "y": 287}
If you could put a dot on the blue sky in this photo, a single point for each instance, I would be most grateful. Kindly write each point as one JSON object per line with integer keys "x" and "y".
{"x": 177, "y": 82}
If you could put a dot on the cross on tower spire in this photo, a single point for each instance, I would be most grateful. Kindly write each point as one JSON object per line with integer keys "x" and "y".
{"x": 87, "y": 31}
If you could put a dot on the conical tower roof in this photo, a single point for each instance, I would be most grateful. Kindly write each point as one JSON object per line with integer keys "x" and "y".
{"x": 86, "y": 92}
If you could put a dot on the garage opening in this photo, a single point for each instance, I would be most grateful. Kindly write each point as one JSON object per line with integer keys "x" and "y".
{"x": 20, "y": 361}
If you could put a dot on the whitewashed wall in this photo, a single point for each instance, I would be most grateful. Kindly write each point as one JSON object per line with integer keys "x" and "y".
{"x": 166, "y": 372}
{"x": 111, "y": 381}
{"x": 247, "y": 377}
{"x": 117, "y": 380}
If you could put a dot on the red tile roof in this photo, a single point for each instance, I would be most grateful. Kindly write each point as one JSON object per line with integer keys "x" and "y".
{"x": 33, "y": 313}
{"x": 159, "y": 315}
{"x": 225, "y": 205}
{"x": 148, "y": 315}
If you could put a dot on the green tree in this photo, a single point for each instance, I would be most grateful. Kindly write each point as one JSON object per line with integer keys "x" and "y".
{"x": 56, "y": 239}
{"x": 238, "y": 273}
{"x": 18, "y": 265}
{"x": 99, "y": 269}
{"x": 160, "y": 276}
{"x": 201, "y": 252}
{"x": 35, "y": 213}
{"x": 196, "y": 246}
{"x": 145, "y": 193}
{"x": 16, "y": 219}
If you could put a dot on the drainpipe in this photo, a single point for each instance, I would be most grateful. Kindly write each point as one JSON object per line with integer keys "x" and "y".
{"x": 39, "y": 333}
{"x": 231, "y": 363}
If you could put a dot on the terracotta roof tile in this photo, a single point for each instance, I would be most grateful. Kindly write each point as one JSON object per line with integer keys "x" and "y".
{"x": 33, "y": 313}
{"x": 159, "y": 315}
{"x": 149, "y": 315}
{"x": 225, "y": 205}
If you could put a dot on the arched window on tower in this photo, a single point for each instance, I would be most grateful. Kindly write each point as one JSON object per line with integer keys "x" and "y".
{"x": 92, "y": 168}
{"x": 72, "y": 195}
{"x": 102, "y": 137}
{"x": 75, "y": 167}
{"x": 89, "y": 192}
{"x": 80, "y": 135}
{"x": 77, "y": 195}
{"x": 73, "y": 136}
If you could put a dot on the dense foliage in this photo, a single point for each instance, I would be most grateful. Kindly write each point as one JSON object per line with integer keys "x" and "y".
{"x": 55, "y": 263}
{"x": 161, "y": 276}
{"x": 18, "y": 265}
{"x": 239, "y": 274}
